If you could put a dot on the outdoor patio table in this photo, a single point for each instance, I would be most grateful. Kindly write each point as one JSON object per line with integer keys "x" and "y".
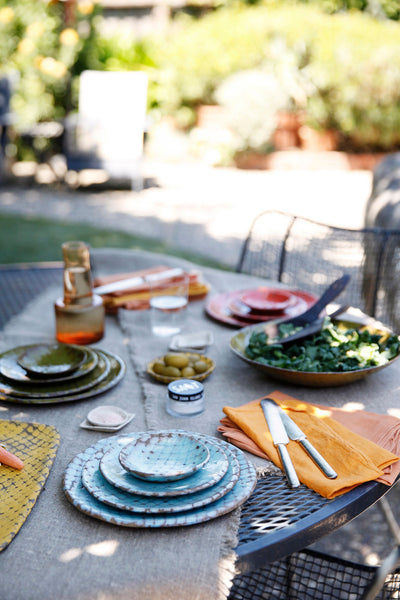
{"x": 60, "y": 553}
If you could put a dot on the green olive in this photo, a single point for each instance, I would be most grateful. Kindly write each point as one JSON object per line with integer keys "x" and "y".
{"x": 193, "y": 358}
{"x": 171, "y": 371}
{"x": 188, "y": 372}
{"x": 176, "y": 360}
{"x": 200, "y": 366}
{"x": 158, "y": 367}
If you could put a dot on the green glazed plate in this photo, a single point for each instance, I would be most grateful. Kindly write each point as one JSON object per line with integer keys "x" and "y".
{"x": 10, "y": 368}
{"x": 63, "y": 388}
{"x": 51, "y": 360}
{"x": 116, "y": 373}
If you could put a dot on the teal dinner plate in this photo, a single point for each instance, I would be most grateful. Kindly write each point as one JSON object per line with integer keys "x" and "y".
{"x": 103, "y": 491}
{"x": 212, "y": 472}
{"x": 51, "y": 360}
{"x": 54, "y": 389}
{"x": 116, "y": 373}
{"x": 78, "y": 495}
{"x": 10, "y": 368}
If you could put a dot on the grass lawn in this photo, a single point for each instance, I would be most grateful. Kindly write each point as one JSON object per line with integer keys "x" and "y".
{"x": 25, "y": 239}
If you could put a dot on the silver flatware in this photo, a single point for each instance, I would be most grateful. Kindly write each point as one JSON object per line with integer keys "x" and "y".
{"x": 280, "y": 439}
{"x": 295, "y": 433}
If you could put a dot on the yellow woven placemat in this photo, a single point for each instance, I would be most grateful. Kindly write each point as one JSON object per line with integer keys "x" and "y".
{"x": 36, "y": 445}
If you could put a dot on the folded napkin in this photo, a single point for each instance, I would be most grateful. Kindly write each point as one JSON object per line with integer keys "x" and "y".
{"x": 137, "y": 297}
{"x": 360, "y": 446}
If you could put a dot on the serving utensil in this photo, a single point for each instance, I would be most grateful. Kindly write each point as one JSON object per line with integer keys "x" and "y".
{"x": 309, "y": 319}
{"x": 280, "y": 439}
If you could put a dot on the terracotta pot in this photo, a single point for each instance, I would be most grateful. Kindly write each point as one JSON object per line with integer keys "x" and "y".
{"x": 252, "y": 160}
{"x": 286, "y": 134}
{"x": 318, "y": 141}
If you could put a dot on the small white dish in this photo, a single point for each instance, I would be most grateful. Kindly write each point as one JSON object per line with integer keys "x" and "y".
{"x": 107, "y": 415}
{"x": 196, "y": 342}
{"x": 107, "y": 428}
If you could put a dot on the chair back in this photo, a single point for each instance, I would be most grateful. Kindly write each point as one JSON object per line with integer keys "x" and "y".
{"x": 308, "y": 255}
{"x": 111, "y": 123}
{"x": 5, "y": 97}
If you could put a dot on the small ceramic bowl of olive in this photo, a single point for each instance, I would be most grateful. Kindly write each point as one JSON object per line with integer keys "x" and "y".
{"x": 180, "y": 365}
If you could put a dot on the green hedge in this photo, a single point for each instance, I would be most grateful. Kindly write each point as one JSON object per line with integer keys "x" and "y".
{"x": 348, "y": 65}
{"x": 341, "y": 69}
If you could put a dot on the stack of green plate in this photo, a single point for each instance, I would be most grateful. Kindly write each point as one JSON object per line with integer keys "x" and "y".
{"x": 50, "y": 373}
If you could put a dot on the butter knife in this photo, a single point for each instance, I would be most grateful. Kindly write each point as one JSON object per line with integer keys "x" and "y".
{"x": 280, "y": 439}
{"x": 296, "y": 434}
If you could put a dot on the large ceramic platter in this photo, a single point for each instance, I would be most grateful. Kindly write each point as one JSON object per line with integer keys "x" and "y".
{"x": 240, "y": 340}
{"x": 219, "y": 307}
{"x": 115, "y": 374}
{"x": 100, "y": 489}
{"x": 10, "y": 368}
{"x": 86, "y": 503}
{"x": 62, "y": 388}
{"x": 164, "y": 456}
{"x": 211, "y": 473}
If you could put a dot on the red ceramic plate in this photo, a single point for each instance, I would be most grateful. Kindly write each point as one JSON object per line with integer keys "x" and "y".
{"x": 218, "y": 307}
{"x": 267, "y": 300}
{"x": 242, "y": 311}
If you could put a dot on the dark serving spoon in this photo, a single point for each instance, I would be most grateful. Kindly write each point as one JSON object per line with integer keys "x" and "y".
{"x": 310, "y": 321}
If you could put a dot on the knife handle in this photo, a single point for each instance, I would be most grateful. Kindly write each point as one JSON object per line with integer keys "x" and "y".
{"x": 318, "y": 459}
{"x": 288, "y": 467}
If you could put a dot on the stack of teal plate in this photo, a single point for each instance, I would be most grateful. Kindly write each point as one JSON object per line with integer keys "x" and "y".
{"x": 163, "y": 478}
{"x": 48, "y": 373}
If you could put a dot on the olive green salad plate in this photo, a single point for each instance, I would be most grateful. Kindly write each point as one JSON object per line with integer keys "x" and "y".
{"x": 51, "y": 360}
{"x": 11, "y": 368}
{"x": 347, "y": 349}
{"x": 105, "y": 370}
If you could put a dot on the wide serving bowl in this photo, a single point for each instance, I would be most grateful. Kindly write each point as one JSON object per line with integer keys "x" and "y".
{"x": 240, "y": 340}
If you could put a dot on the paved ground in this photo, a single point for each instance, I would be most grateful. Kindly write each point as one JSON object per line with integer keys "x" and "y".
{"x": 208, "y": 211}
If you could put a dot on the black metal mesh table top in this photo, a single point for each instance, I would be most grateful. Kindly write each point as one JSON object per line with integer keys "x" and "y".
{"x": 276, "y": 520}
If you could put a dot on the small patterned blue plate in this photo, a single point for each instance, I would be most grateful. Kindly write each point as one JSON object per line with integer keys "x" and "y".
{"x": 164, "y": 456}
{"x": 212, "y": 472}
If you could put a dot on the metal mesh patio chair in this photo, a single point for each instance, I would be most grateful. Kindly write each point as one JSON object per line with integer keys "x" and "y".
{"x": 312, "y": 575}
{"x": 309, "y": 255}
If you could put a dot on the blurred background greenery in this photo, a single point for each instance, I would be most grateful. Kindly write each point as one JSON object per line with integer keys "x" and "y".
{"x": 334, "y": 65}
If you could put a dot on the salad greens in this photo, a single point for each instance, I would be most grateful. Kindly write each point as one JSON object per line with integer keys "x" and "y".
{"x": 336, "y": 348}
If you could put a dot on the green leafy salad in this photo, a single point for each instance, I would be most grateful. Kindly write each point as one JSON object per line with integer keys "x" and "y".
{"x": 336, "y": 348}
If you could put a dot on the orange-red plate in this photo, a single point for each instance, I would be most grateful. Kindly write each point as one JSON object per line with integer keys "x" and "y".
{"x": 219, "y": 307}
{"x": 268, "y": 300}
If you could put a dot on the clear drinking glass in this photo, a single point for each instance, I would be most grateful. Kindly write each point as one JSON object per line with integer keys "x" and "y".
{"x": 168, "y": 302}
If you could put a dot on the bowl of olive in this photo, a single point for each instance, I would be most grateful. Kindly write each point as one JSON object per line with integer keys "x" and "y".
{"x": 180, "y": 365}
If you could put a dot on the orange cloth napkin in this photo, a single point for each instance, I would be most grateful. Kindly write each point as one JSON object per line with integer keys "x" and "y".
{"x": 137, "y": 298}
{"x": 341, "y": 441}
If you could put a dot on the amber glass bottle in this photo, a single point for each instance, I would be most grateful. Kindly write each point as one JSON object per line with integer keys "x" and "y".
{"x": 80, "y": 314}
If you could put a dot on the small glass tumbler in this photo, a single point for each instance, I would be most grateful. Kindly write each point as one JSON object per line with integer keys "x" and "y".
{"x": 168, "y": 302}
{"x": 80, "y": 313}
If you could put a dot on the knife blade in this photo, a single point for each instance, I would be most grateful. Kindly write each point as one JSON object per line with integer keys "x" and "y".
{"x": 133, "y": 282}
{"x": 296, "y": 434}
{"x": 280, "y": 439}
